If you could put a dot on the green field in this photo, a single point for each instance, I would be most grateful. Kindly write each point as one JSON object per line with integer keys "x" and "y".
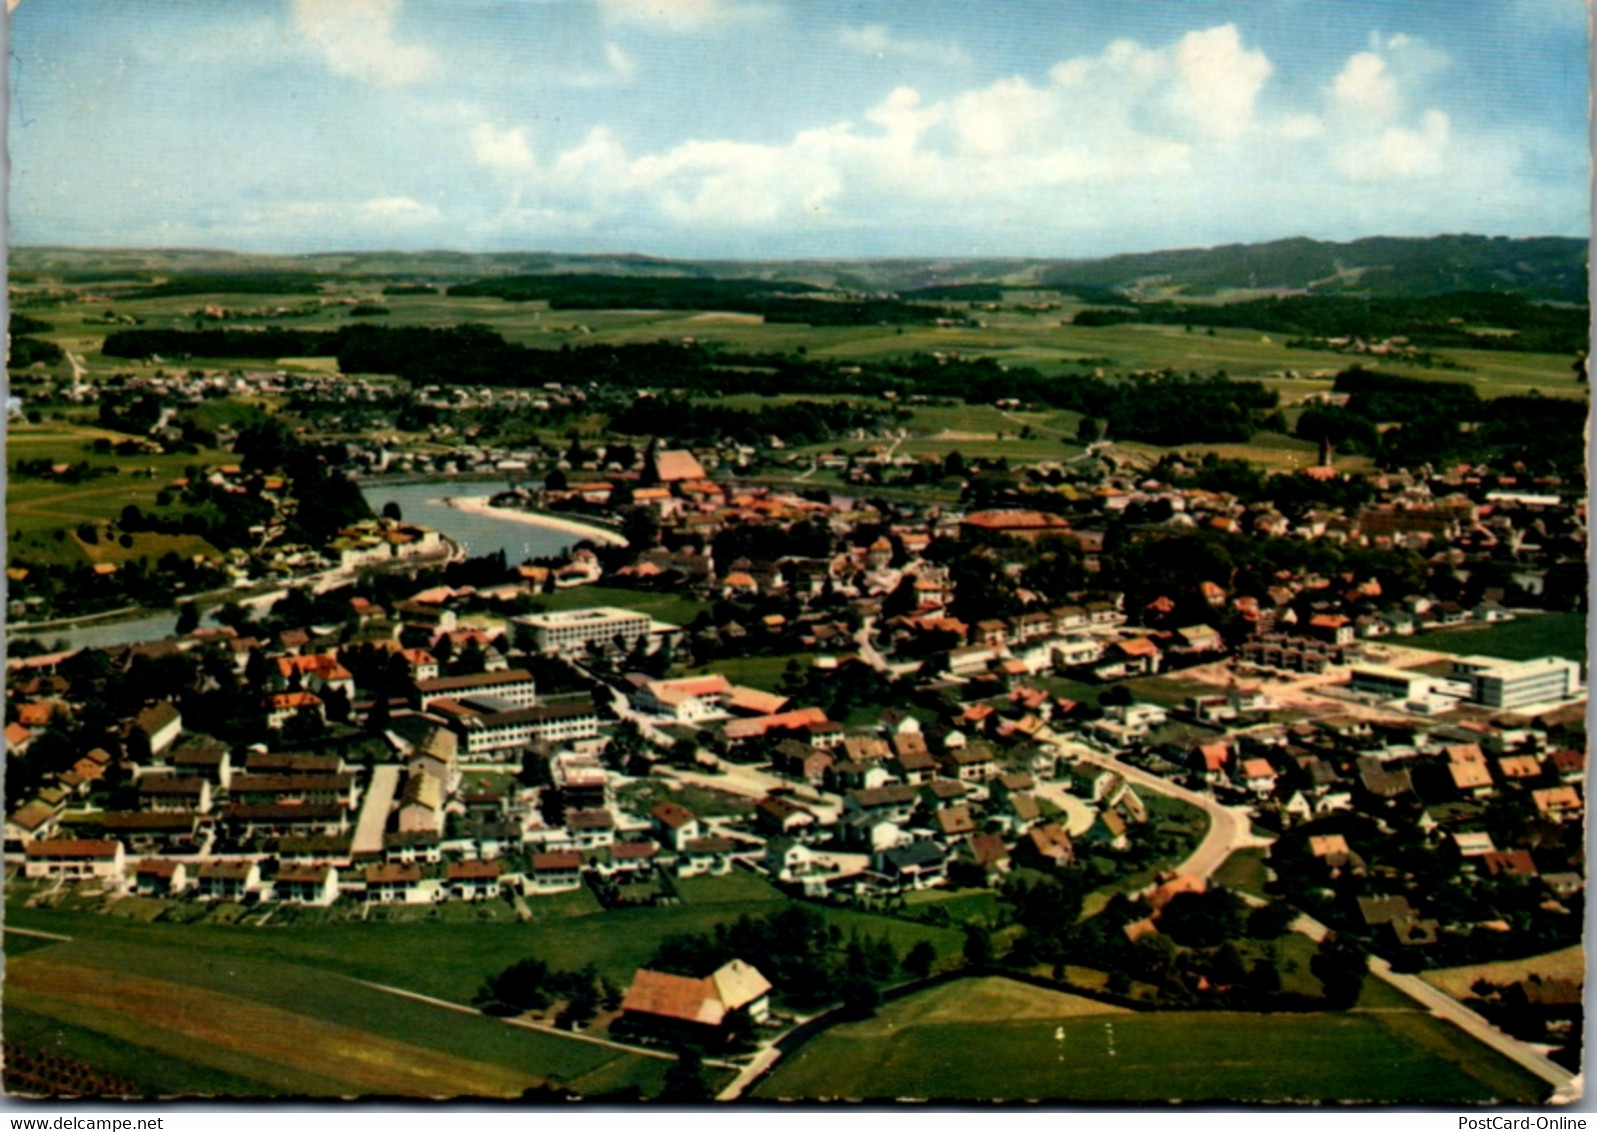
{"x": 1244, "y": 871}
{"x": 967, "y": 1041}
{"x": 227, "y": 1024}
{"x": 668, "y": 607}
{"x": 1527, "y": 636}
{"x": 763, "y": 672}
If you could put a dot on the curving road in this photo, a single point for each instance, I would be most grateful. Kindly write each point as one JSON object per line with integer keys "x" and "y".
{"x": 1229, "y": 829}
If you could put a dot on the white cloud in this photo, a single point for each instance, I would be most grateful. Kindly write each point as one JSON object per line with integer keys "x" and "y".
{"x": 620, "y": 62}
{"x": 677, "y": 16}
{"x": 1365, "y": 87}
{"x": 356, "y": 40}
{"x": 502, "y": 151}
{"x": 1398, "y": 153}
{"x": 1182, "y": 138}
{"x": 1218, "y": 80}
{"x": 877, "y": 41}
{"x": 398, "y": 212}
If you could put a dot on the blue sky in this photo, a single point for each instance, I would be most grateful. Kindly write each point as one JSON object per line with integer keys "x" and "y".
{"x": 790, "y": 128}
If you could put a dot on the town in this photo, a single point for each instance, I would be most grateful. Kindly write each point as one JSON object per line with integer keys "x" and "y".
{"x": 1157, "y": 729}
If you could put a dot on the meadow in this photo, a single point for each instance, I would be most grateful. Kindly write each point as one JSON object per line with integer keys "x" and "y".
{"x": 1528, "y": 635}
{"x": 281, "y": 1007}
{"x": 995, "y": 1039}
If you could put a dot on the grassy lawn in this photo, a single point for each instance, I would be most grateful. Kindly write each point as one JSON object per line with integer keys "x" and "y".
{"x": 672, "y": 608}
{"x": 763, "y": 672}
{"x": 564, "y": 905}
{"x": 963, "y": 1043}
{"x": 1244, "y": 871}
{"x": 450, "y": 960}
{"x": 1527, "y": 636}
{"x": 736, "y": 887}
{"x": 960, "y": 904}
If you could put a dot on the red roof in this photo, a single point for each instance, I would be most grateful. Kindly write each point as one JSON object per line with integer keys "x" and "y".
{"x": 73, "y": 848}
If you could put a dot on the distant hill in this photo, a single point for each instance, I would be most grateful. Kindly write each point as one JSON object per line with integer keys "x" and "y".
{"x": 1542, "y": 268}
{"x": 1552, "y": 268}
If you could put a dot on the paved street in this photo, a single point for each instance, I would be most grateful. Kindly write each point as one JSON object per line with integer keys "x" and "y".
{"x": 1229, "y": 829}
{"x": 374, "y": 809}
{"x": 1567, "y": 1086}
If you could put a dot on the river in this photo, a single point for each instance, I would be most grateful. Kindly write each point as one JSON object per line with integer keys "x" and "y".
{"x": 418, "y": 503}
{"x": 479, "y": 534}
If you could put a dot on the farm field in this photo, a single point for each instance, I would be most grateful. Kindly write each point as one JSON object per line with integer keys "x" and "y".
{"x": 1568, "y": 963}
{"x": 286, "y": 1029}
{"x": 962, "y": 1043}
{"x": 1528, "y": 635}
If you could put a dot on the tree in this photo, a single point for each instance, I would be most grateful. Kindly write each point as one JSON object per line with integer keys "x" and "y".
{"x": 860, "y": 997}
{"x": 188, "y": 618}
{"x": 978, "y": 949}
{"x": 684, "y": 1081}
{"x": 920, "y": 959}
{"x": 1088, "y": 432}
{"x": 1271, "y": 921}
{"x": 1340, "y": 966}
{"x": 391, "y": 510}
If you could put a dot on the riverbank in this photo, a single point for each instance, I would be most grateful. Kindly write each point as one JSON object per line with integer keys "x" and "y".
{"x": 479, "y": 505}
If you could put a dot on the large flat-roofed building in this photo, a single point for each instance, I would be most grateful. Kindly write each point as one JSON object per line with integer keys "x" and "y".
{"x": 1389, "y": 683}
{"x": 1497, "y": 683}
{"x": 488, "y": 733}
{"x": 593, "y": 630}
{"x": 514, "y": 685}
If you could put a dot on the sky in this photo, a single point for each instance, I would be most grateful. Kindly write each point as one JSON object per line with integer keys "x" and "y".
{"x": 792, "y": 128}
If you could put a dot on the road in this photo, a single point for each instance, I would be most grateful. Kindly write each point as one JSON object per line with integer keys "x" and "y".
{"x": 1229, "y": 829}
{"x": 374, "y": 809}
{"x": 1567, "y": 1087}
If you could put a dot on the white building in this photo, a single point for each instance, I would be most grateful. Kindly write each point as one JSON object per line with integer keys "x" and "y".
{"x": 598, "y": 629}
{"x": 1497, "y": 683}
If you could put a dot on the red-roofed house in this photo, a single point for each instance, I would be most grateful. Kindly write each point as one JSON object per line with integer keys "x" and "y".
{"x": 662, "y": 1003}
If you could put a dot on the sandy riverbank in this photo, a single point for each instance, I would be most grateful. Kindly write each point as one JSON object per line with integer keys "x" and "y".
{"x": 478, "y": 505}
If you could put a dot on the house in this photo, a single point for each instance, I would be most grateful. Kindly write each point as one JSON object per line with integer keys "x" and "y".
{"x": 555, "y": 872}
{"x": 1049, "y": 845}
{"x": 920, "y": 864}
{"x": 393, "y": 884}
{"x": 665, "y": 1005}
{"x": 973, "y": 762}
{"x": 1557, "y": 802}
{"x": 409, "y": 848}
{"x": 74, "y": 859}
{"x": 159, "y": 726}
{"x": 1258, "y": 776}
{"x": 306, "y": 884}
{"x": 229, "y": 880}
{"x": 29, "y": 822}
{"x": 472, "y": 880}
{"x": 166, "y": 793}
{"x": 159, "y": 877}
{"x": 675, "y": 825}
{"x": 776, "y": 816}
{"x": 590, "y": 829}
{"x": 894, "y": 803}
{"x": 1471, "y": 779}
{"x": 1210, "y": 760}
{"x": 702, "y": 856}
